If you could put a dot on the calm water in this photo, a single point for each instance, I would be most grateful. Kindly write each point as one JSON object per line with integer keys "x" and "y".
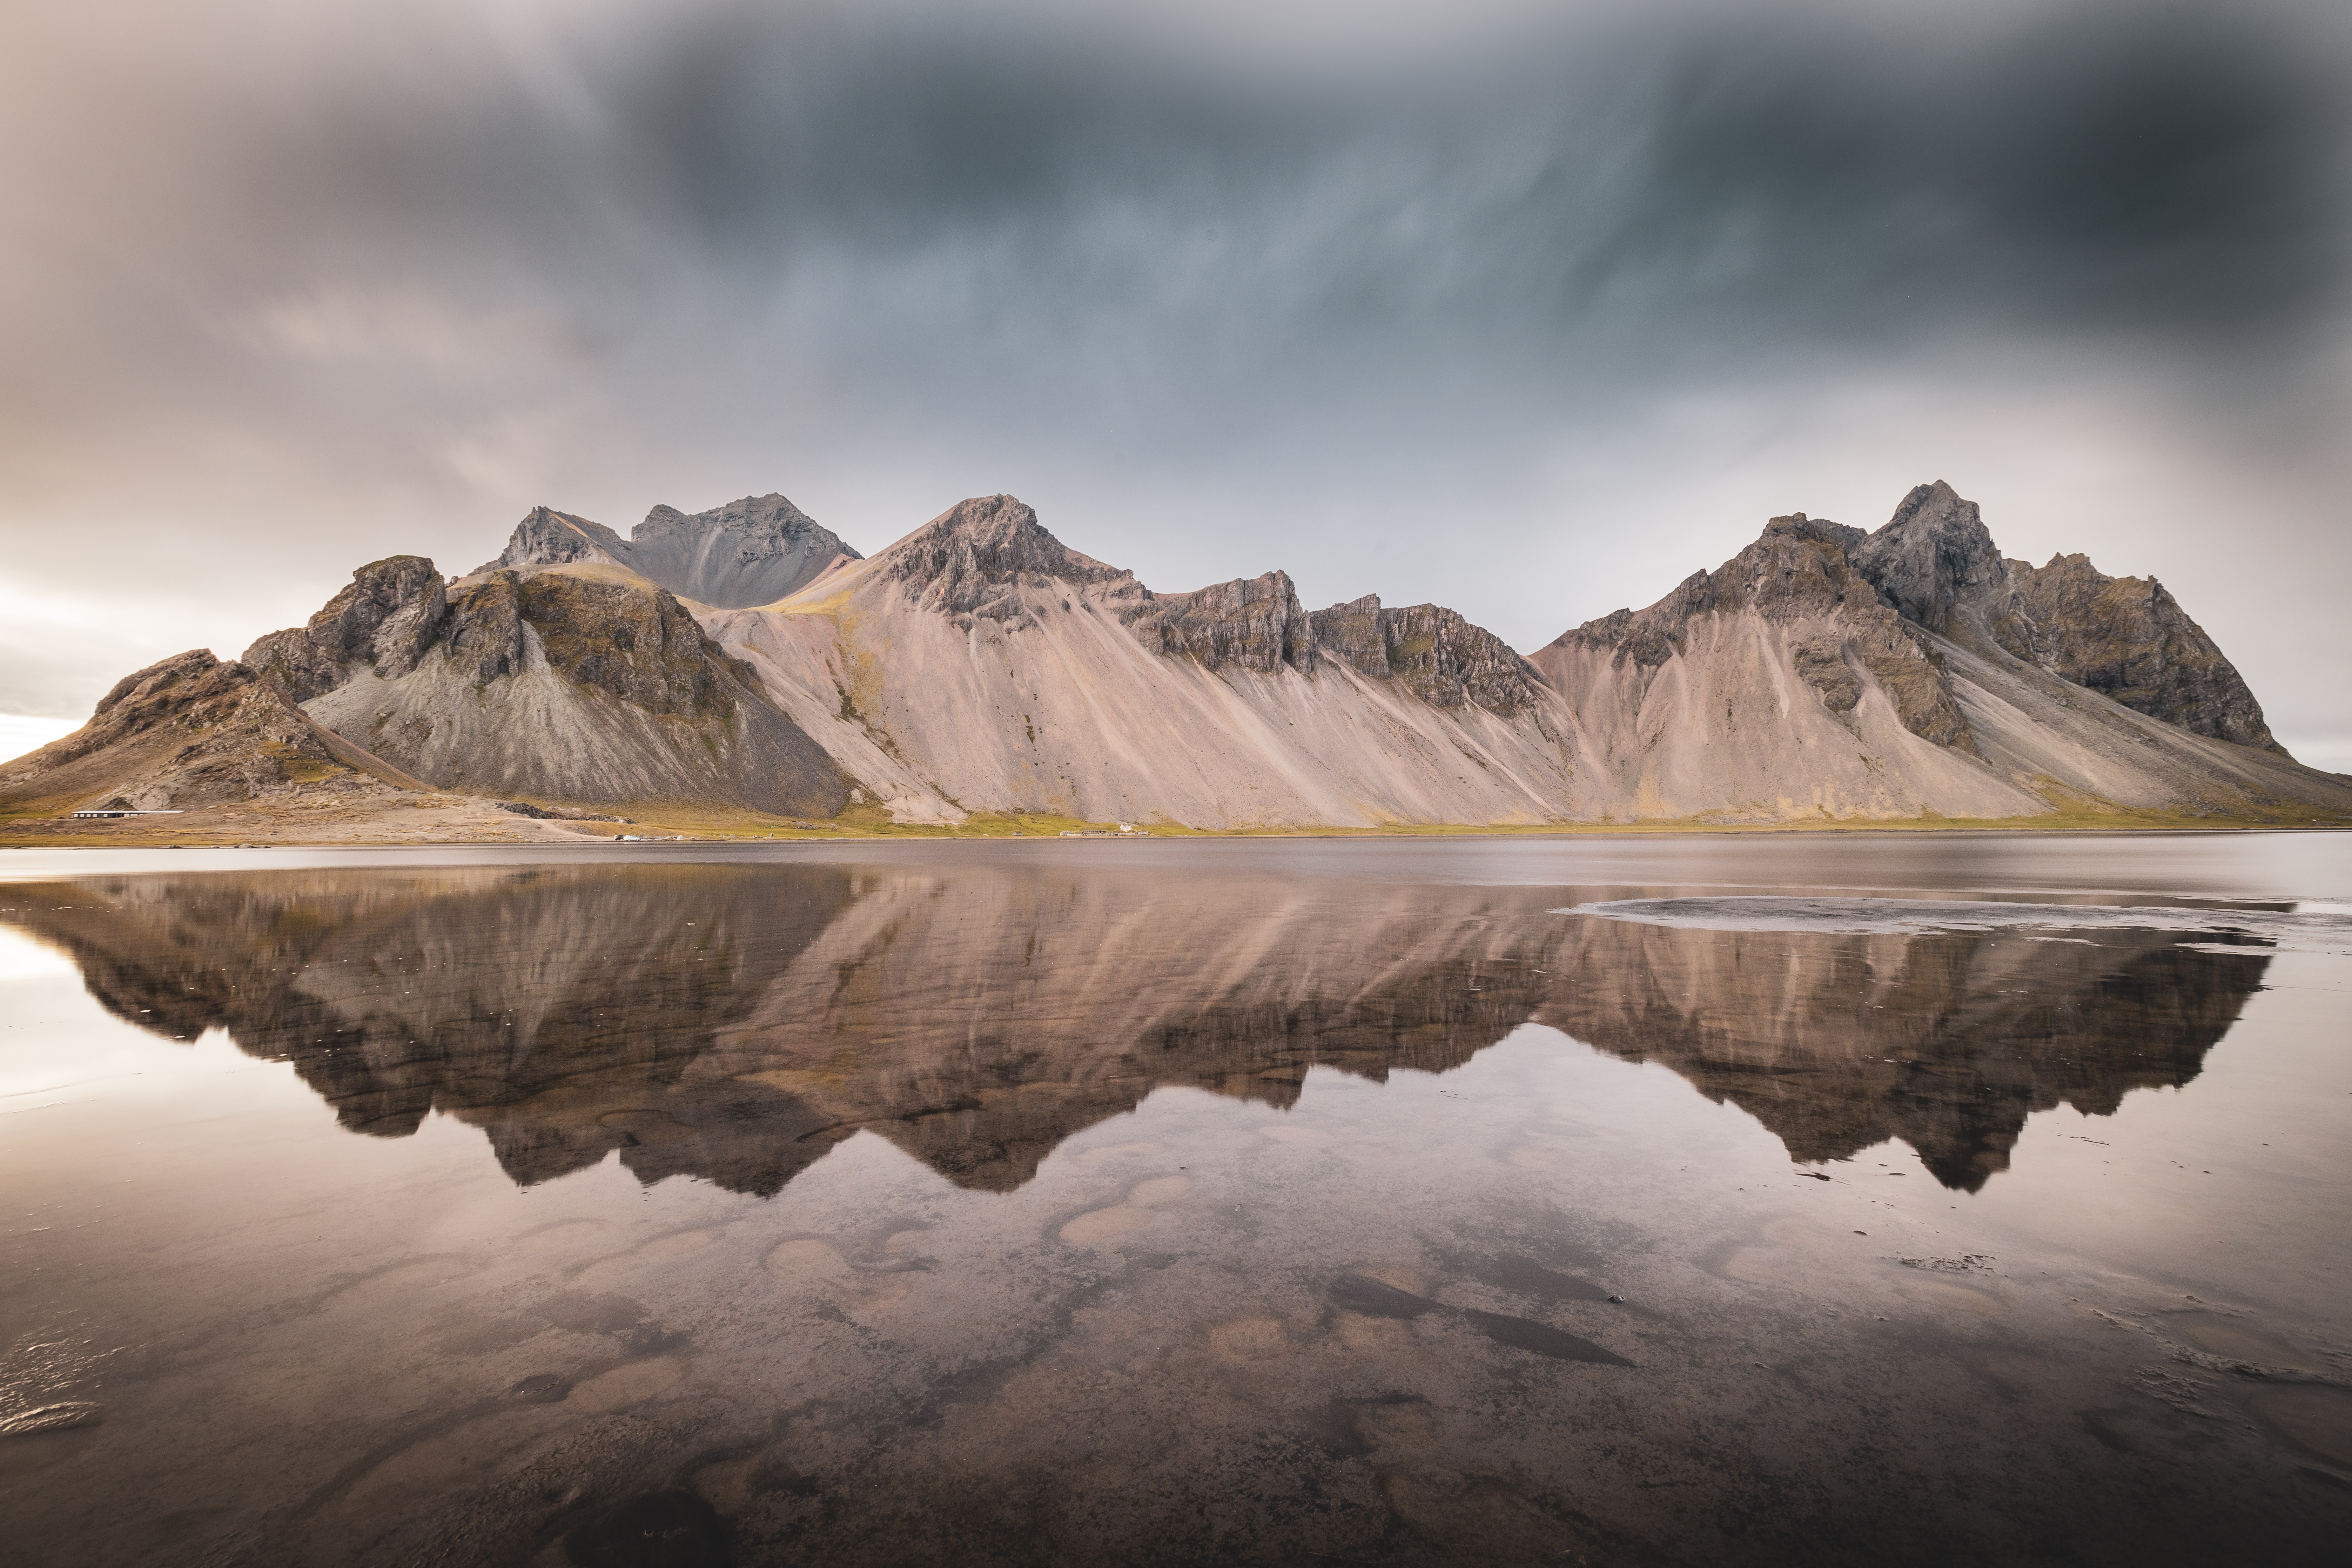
{"x": 1288, "y": 1202}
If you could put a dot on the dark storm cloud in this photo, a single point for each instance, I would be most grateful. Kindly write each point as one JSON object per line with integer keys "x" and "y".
{"x": 2172, "y": 175}
{"x": 2155, "y": 171}
{"x": 1649, "y": 197}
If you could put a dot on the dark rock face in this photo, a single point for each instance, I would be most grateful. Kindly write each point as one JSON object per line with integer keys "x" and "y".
{"x": 187, "y": 731}
{"x": 1797, "y": 568}
{"x": 300, "y": 668}
{"x": 1432, "y": 651}
{"x": 2128, "y": 638}
{"x": 643, "y": 648}
{"x": 485, "y": 631}
{"x": 749, "y": 552}
{"x": 387, "y": 614}
{"x": 1254, "y": 623}
{"x": 1905, "y": 664}
{"x": 674, "y": 718}
{"x": 769, "y": 524}
{"x": 390, "y": 614}
{"x": 1936, "y": 564}
{"x": 1352, "y": 634}
{"x": 1802, "y": 568}
{"x": 1933, "y": 557}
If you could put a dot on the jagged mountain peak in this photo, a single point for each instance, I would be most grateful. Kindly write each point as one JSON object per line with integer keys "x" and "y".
{"x": 383, "y": 618}
{"x": 1934, "y": 556}
{"x": 752, "y": 551}
{"x": 997, "y": 522}
{"x": 964, "y": 559}
{"x": 546, "y": 537}
{"x": 770, "y": 513}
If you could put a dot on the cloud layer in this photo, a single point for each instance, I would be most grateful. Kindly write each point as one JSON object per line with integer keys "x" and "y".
{"x": 1528, "y": 312}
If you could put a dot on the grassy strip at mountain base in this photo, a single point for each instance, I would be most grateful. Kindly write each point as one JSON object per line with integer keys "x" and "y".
{"x": 444, "y": 818}
{"x": 658, "y": 819}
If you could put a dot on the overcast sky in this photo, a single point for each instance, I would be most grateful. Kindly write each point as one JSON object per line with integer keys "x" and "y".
{"x": 1527, "y": 310}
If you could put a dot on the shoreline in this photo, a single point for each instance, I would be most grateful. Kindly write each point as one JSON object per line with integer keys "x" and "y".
{"x": 659, "y": 833}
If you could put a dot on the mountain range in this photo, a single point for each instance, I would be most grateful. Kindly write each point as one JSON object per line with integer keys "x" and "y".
{"x": 746, "y": 657}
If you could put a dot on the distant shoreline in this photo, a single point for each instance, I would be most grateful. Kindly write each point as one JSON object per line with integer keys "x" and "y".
{"x": 656, "y": 833}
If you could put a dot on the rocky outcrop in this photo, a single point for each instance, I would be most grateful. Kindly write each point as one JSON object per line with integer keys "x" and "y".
{"x": 190, "y": 732}
{"x": 1254, "y": 623}
{"x": 2129, "y": 640}
{"x": 390, "y": 614}
{"x": 749, "y": 552}
{"x": 1432, "y": 651}
{"x": 295, "y": 665}
{"x": 1936, "y": 566}
{"x": 485, "y": 639}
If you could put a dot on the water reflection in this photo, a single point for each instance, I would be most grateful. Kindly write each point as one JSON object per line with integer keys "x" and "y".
{"x": 733, "y": 1023}
{"x": 1946, "y": 1042}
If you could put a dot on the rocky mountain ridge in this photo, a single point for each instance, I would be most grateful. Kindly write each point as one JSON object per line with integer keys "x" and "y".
{"x": 974, "y": 561}
{"x": 749, "y": 552}
{"x": 1922, "y": 625}
{"x": 981, "y": 665}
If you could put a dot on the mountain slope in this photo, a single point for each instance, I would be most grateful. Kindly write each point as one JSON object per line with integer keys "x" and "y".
{"x": 981, "y": 665}
{"x": 578, "y": 682}
{"x": 192, "y": 732}
{"x": 749, "y": 552}
{"x": 1823, "y": 671}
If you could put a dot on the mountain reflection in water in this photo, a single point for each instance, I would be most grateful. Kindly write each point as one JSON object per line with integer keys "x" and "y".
{"x": 733, "y": 1023}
